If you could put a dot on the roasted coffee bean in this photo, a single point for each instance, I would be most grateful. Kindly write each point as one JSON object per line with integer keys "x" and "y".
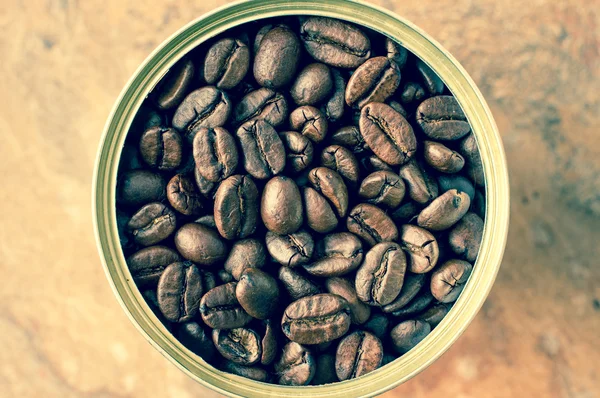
{"x": 442, "y": 158}
{"x": 313, "y": 85}
{"x": 342, "y": 160}
{"x": 441, "y": 118}
{"x": 296, "y": 284}
{"x": 350, "y": 138}
{"x": 316, "y": 319}
{"x": 398, "y": 108}
{"x": 371, "y": 224}
{"x": 325, "y": 370}
{"x": 406, "y": 335}
{"x": 445, "y": 211}
{"x": 336, "y": 254}
{"x": 183, "y": 195}
{"x": 374, "y": 81}
{"x": 147, "y": 265}
{"x": 377, "y": 325}
{"x": 262, "y": 149}
{"x": 320, "y": 216}
{"x": 196, "y": 340}
{"x": 474, "y": 167}
{"x": 466, "y": 235}
{"x": 381, "y": 275}
{"x": 458, "y": 182}
{"x": 268, "y": 343}
{"x": 290, "y": 250}
{"x": 434, "y": 315}
{"x": 215, "y": 153}
{"x": 152, "y": 223}
{"x": 382, "y": 188}
{"x": 125, "y": 238}
{"x": 179, "y": 291}
{"x": 387, "y": 133}
{"x": 421, "y": 248}
{"x": 175, "y": 85}
{"x": 130, "y": 159}
{"x": 412, "y": 92}
{"x": 264, "y": 104}
{"x": 276, "y": 60}
{"x": 224, "y": 277}
{"x": 359, "y": 311}
{"x": 415, "y": 306}
{"x": 296, "y": 367}
{"x": 249, "y": 372}
{"x": 310, "y": 122}
{"x": 478, "y": 204}
{"x": 139, "y": 187}
{"x": 431, "y": 81}
{"x": 406, "y": 213}
{"x": 358, "y": 354}
{"x": 261, "y": 34}
{"x": 422, "y": 188}
{"x": 161, "y": 148}
{"x": 333, "y": 108}
{"x": 372, "y": 164}
{"x": 245, "y": 253}
{"x": 206, "y": 107}
{"x": 448, "y": 281}
{"x": 207, "y": 221}
{"x": 395, "y": 52}
{"x": 413, "y": 283}
{"x": 239, "y": 345}
{"x": 258, "y": 293}
{"x": 281, "y": 206}
{"x": 298, "y": 149}
{"x": 236, "y": 207}
{"x": 200, "y": 244}
{"x": 334, "y": 42}
{"x": 331, "y": 185}
{"x": 205, "y": 187}
{"x": 226, "y": 63}
{"x": 220, "y": 308}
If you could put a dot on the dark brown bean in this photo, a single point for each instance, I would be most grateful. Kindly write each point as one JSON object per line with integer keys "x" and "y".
{"x": 442, "y": 158}
{"x": 406, "y": 335}
{"x": 422, "y": 188}
{"x": 179, "y": 291}
{"x": 412, "y": 92}
{"x": 139, "y": 187}
{"x": 276, "y": 60}
{"x": 296, "y": 367}
{"x": 281, "y": 206}
{"x": 236, "y": 207}
{"x": 458, "y": 182}
{"x": 372, "y": 163}
{"x": 350, "y": 138}
{"x": 206, "y": 107}
{"x": 183, "y": 195}
{"x": 245, "y": 253}
{"x": 205, "y": 187}
{"x": 268, "y": 343}
{"x": 320, "y": 216}
{"x": 434, "y": 315}
{"x": 290, "y": 250}
{"x": 313, "y": 85}
{"x": 377, "y": 325}
{"x": 264, "y": 104}
{"x": 220, "y": 308}
{"x": 161, "y": 148}
{"x": 382, "y": 188}
{"x": 310, "y": 122}
{"x": 359, "y": 311}
{"x": 342, "y": 160}
{"x": 395, "y": 52}
{"x": 371, "y": 224}
{"x": 147, "y": 265}
{"x": 325, "y": 370}
{"x": 421, "y": 247}
{"x": 430, "y": 79}
{"x": 445, "y": 211}
{"x": 296, "y": 284}
{"x": 258, "y": 293}
{"x": 333, "y": 108}
{"x": 336, "y": 254}
{"x": 442, "y": 118}
{"x": 358, "y": 354}
{"x": 200, "y": 244}
{"x": 193, "y": 336}
{"x": 331, "y": 185}
{"x": 298, "y": 149}
{"x": 152, "y": 223}
{"x": 465, "y": 237}
{"x": 262, "y": 149}
{"x": 374, "y": 81}
{"x": 226, "y": 63}
{"x": 215, "y": 154}
{"x": 474, "y": 167}
{"x": 448, "y": 281}
{"x": 415, "y": 306}
{"x": 175, "y": 85}
{"x": 239, "y": 345}
{"x": 413, "y": 283}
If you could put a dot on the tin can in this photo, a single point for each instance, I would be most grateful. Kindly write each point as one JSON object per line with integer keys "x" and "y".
{"x": 382, "y": 21}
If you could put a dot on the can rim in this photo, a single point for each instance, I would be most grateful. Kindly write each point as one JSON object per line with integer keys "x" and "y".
{"x": 415, "y": 40}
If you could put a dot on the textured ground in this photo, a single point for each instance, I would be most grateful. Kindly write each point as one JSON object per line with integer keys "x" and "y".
{"x": 64, "y": 63}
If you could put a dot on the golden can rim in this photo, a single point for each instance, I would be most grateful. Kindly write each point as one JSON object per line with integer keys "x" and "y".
{"x": 379, "y": 19}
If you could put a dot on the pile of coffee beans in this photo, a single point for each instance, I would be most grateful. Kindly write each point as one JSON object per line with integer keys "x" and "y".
{"x": 300, "y": 201}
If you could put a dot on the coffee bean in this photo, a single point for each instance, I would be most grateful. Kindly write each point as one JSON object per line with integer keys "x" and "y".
{"x": 434, "y": 315}
{"x": 340, "y": 159}
{"x": 236, "y": 207}
{"x": 325, "y": 370}
{"x": 296, "y": 367}
{"x": 395, "y": 105}
{"x": 139, "y": 187}
{"x": 415, "y": 306}
{"x": 220, "y": 308}
{"x": 445, "y": 211}
{"x": 430, "y": 80}
{"x": 193, "y": 336}
{"x": 130, "y": 159}
{"x": 147, "y": 265}
{"x": 245, "y": 253}
{"x": 152, "y": 223}
{"x": 200, "y": 244}
{"x": 474, "y": 167}
{"x": 320, "y": 216}
{"x": 310, "y": 122}
{"x": 215, "y": 154}
{"x": 422, "y": 188}
{"x": 175, "y": 85}
{"x": 395, "y": 52}
{"x": 374, "y": 81}
{"x": 442, "y": 158}
{"x": 249, "y": 372}
{"x": 381, "y": 275}
{"x": 205, "y": 187}
{"x": 261, "y": 34}
{"x": 179, "y": 292}
{"x": 359, "y": 311}
{"x": 371, "y": 224}
{"x": 161, "y": 148}
{"x": 387, "y": 133}
{"x": 382, "y": 188}
{"x": 421, "y": 248}
{"x": 297, "y": 285}
{"x": 478, "y": 204}
{"x": 224, "y": 277}
{"x": 313, "y": 85}
{"x": 466, "y": 235}
{"x": 290, "y": 250}
{"x": 264, "y": 104}
{"x": 208, "y": 221}
{"x": 268, "y": 343}
{"x": 350, "y": 138}
{"x": 358, "y": 354}
{"x": 412, "y": 92}
{"x": 406, "y": 213}
{"x": 458, "y": 182}
{"x": 448, "y": 281}
{"x": 226, "y": 63}
{"x": 330, "y": 184}
{"x": 258, "y": 293}
{"x": 298, "y": 149}
{"x": 239, "y": 345}
{"x": 183, "y": 195}
{"x": 277, "y": 58}
{"x": 377, "y": 325}
{"x": 262, "y": 149}
{"x": 206, "y": 107}
{"x": 413, "y": 283}
{"x": 406, "y": 335}
{"x": 316, "y": 319}
{"x": 442, "y": 118}
{"x": 333, "y": 108}
{"x": 336, "y": 254}
{"x": 334, "y": 42}
{"x": 281, "y": 206}
{"x": 372, "y": 164}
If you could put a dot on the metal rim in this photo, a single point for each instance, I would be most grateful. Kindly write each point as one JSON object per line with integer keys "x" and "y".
{"x": 376, "y": 18}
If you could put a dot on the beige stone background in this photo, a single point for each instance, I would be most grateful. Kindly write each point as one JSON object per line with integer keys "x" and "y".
{"x": 62, "y": 65}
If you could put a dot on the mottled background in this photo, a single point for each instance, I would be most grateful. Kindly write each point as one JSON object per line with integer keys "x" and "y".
{"x": 63, "y": 63}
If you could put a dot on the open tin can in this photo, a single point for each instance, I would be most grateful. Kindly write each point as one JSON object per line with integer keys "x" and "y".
{"x": 377, "y": 19}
